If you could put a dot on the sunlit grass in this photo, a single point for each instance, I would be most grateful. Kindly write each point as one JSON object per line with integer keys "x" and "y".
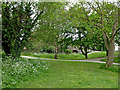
{"x": 63, "y": 74}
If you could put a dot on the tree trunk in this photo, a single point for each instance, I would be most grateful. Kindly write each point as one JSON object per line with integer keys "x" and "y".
{"x": 56, "y": 49}
{"x": 111, "y": 48}
{"x": 86, "y": 56}
{"x": 106, "y": 52}
{"x": 86, "y": 52}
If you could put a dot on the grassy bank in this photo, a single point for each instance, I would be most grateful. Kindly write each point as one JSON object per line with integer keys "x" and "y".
{"x": 73, "y": 75}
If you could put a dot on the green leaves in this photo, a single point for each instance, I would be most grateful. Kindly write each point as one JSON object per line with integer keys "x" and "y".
{"x": 17, "y": 25}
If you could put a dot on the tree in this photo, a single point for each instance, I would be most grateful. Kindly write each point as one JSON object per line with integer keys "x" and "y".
{"x": 106, "y": 19}
{"x": 50, "y": 27}
{"x": 84, "y": 35}
{"x": 84, "y": 39}
{"x": 17, "y": 24}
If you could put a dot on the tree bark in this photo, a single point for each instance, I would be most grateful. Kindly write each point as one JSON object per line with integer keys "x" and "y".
{"x": 111, "y": 48}
{"x": 86, "y": 52}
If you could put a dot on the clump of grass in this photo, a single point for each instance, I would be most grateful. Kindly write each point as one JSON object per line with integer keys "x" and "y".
{"x": 113, "y": 68}
{"x": 15, "y": 70}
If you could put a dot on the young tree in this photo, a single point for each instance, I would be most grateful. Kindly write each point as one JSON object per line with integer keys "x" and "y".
{"x": 50, "y": 27}
{"x": 84, "y": 38}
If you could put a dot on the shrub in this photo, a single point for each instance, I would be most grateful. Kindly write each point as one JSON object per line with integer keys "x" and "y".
{"x": 15, "y": 70}
{"x": 3, "y": 55}
{"x": 68, "y": 51}
{"x": 50, "y": 49}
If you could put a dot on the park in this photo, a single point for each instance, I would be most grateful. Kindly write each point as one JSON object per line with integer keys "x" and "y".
{"x": 60, "y": 44}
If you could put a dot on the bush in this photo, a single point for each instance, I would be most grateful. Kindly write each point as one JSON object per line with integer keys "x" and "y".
{"x": 49, "y": 49}
{"x": 20, "y": 69}
{"x": 113, "y": 68}
{"x": 3, "y": 55}
{"x": 68, "y": 51}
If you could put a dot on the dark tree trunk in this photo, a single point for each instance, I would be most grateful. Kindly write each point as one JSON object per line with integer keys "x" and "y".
{"x": 86, "y": 56}
{"x": 7, "y": 51}
{"x": 106, "y": 52}
{"x": 55, "y": 56}
{"x": 86, "y": 52}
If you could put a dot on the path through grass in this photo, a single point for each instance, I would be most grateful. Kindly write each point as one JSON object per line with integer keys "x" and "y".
{"x": 63, "y": 74}
{"x": 72, "y": 56}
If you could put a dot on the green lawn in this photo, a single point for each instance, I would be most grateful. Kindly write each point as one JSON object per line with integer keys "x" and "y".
{"x": 72, "y": 56}
{"x": 63, "y": 74}
{"x": 115, "y": 60}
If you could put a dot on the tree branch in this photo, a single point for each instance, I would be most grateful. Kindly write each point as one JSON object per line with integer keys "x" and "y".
{"x": 105, "y": 41}
{"x": 114, "y": 31}
{"x": 36, "y": 19}
{"x": 82, "y": 50}
{"x": 93, "y": 7}
{"x": 115, "y": 34}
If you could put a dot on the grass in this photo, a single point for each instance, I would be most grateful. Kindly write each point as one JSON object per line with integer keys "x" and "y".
{"x": 71, "y": 56}
{"x": 115, "y": 60}
{"x": 63, "y": 74}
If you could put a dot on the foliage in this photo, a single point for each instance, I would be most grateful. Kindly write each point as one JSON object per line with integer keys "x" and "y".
{"x": 44, "y": 32}
{"x": 103, "y": 15}
{"x": 67, "y": 51}
{"x": 20, "y": 69}
{"x": 49, "y": 49}
{"x": 81, "y": 33}
{"x": 17, "y": 24}
{"x": 52, "y": 28}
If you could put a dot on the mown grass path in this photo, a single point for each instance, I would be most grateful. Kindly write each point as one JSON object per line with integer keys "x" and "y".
{"x": 63, "y": 74}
